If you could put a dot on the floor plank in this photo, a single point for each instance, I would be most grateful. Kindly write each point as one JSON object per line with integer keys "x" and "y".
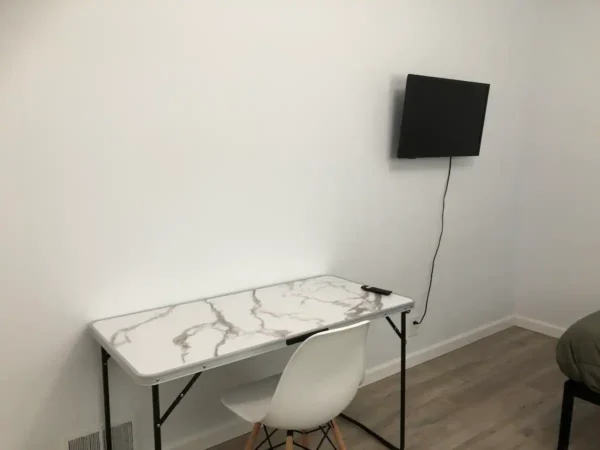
{"x": 502, "y": 392}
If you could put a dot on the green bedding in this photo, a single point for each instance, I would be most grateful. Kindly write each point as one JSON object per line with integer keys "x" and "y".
{"x": 578, "y": 352}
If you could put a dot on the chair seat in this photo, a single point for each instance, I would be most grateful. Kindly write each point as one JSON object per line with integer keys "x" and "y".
{"x": 318, "y": 382}
{"x": 251, "y": 401}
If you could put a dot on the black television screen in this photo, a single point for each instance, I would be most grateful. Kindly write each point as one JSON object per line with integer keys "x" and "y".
{"x": 442, "y": 117}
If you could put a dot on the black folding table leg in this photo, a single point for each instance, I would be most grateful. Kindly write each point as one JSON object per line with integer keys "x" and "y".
{"x": 566, "y": 416}
{"x": 402, "y": 335}
{"x": 403, "y": 381}
{"x": 105, "y": 388}
{"x": 156, "y": 418}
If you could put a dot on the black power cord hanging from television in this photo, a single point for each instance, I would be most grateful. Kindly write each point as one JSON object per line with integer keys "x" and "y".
{"x": 419, "y": 322}
{"x": 381, "y": 439}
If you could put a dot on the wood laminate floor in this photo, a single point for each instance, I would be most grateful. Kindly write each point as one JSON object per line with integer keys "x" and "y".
{"x": 502, "y": 392}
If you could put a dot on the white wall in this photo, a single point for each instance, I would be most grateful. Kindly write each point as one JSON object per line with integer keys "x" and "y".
{"x": 155, "y": 152}
{"x": 558, "y": 279}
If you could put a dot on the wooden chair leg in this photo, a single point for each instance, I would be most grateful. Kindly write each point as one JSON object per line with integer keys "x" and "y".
{"x": 289, "y": 441}
{"x": 304, "y": 440}
{"x": 252, "y": 437}
{"x": 339, "y": 440}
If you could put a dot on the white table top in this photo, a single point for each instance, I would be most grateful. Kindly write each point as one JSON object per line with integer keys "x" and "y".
{"x": 162, "y": 344}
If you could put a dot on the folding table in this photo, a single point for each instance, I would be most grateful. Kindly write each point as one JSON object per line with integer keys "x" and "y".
{"x": 163, "y": 344}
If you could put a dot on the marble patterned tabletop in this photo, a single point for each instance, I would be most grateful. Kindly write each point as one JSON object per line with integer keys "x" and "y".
{"x": 170, "y": 342}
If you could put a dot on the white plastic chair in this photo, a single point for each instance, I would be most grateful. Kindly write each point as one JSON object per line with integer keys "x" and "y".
{"x": 318, "y": 383}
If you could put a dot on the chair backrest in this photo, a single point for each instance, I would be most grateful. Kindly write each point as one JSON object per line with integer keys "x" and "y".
{"x": 320, "y": 380}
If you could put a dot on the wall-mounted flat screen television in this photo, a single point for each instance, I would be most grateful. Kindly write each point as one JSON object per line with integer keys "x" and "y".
{"x": 442, "y": 117}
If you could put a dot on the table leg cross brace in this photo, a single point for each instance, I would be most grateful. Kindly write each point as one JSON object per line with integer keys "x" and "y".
{"x": 158, "y": 420}
{"x": 402, "y": 335}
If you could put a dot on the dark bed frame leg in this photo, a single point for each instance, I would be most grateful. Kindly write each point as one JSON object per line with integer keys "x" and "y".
{"x": 566, "y": 416}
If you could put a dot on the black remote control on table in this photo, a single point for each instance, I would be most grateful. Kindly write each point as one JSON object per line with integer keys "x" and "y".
{"x": 375, "y": 290}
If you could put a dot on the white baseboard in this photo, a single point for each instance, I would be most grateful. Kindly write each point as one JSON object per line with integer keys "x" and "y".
{"x": 539, "y": 326}
{"x": 237, "y": 428}
{"x": 441, "y": 348}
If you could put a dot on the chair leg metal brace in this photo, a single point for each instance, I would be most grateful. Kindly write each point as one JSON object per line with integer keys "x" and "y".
{"x": 157, "y": 420}
{"x": 402, "y": 335}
